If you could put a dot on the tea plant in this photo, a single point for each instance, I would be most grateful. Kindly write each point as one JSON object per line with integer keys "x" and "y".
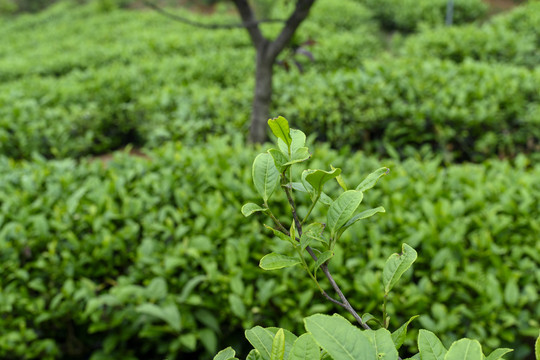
{"x": 330, "y": 337}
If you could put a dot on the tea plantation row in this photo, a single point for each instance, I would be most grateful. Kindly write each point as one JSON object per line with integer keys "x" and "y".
{"x": 150, "y": 258}
{"x": 75, "y": 103}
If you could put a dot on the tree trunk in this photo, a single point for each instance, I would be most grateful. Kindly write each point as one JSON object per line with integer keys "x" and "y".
{"x": 263, "y": 95}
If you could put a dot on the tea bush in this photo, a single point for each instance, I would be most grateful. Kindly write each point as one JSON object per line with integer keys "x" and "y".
{"x": 499, "y": 40}
{"x": 408, "y": 15}
{"x": 467, "y": 111}
{"x": 151, "y": 258}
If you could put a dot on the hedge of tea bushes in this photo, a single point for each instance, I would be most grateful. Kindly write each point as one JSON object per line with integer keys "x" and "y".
{"x": 467, "y": 111}
{"x": 140, "y": 78}
{"x": 511, "y": 38}
{"x": 409, "y": 15}
{"x": 143, "y": 258}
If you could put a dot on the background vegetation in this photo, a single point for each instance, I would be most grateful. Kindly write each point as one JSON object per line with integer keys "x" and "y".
{"x": 139, "y": 257}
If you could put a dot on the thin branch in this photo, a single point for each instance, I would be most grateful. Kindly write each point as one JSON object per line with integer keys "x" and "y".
{"x": 208, "y": 26}
{"x": 248, "y": 18}
{"x": 293, "y": 210}
{"x": 300, "y": 13}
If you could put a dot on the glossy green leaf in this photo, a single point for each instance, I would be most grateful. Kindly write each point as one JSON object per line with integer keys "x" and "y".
{"x": 384, "y": 346}
{"x": 265, "y": 175}
{"x": 298, "y": 140}
{"x": 396, "y": 265}
{"x": 280, "y": 160}
{"x": 278, "y": 233}
{"x": 298, "y": 186}
{"x": 280, "y": 128}
{"x": 304, "y": 348}
{"x": 371, "y": 180}
{"x": 339, "y": 337}
{"x": 429, "y": 346}
{"x": 290, "y": 338}
{"x": 317, "y": 178}
{"x": 322, "y": 258}
{"x": 342, "y": 210}
{"x": 325, "y": 199}
{"x": 261, "y": 339}
{"x": 399, "y": 335}
{"x": 311, "y": 232}
{"x": 278, "y": 346}
{"x": 299, "y": 155}
{"x": 465, "y": 349}
{"x": 340, "y": 180}
{"x": 254, "y": 354}
{"x": 498, "y": 354}
{"x": 225, "y": 354}
{"x": 363, "y": 215}
{"x": 251, "y": 208}
{"x": 275, "y": 261}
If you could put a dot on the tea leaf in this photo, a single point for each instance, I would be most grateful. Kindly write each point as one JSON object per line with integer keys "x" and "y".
{"x": 465, "y": 349}
{"x": 430, "y": 346}
{"x": 342, "y": 209}
{"x": 265, "y": 175}
{"x": 399, "y": 335}
{"x": 275, "y": 261}
{"x": 280, "y": 128}
{"x": 278, "y": 346}
{"x": 250, "y": 208}
{"x": 304, "y": 348}
{"x": 396, "y": 265}
{"x": 498, "y": 354}
{"x": 372, "y": 179}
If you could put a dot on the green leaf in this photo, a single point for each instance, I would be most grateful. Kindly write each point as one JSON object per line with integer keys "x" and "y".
{"x": 280, "y": 160}
{"x": 396, "y": 265}
{"x": 325, "y": 199}
{"x": 299, "y": 155}
{"x": 298, "y": 140}
{"x": 339, "y": 338}
{"x": 311, "y": 232}
{"x": 254, "y": 354}
{"x": 537, "y": 348}
{"x": 465, "y": 349}
{"x": 280, "y": 128}
{"x": 342, "y": 209}
{"x": 168, "y": 313}
{"x": 372, "y": 179}
{"x": 279, "y": 234}
{"x": 317, "y": 178}
{"x": 225, "y": 354}
{"x": 369, "y": 317}
{"x": 290, "y": 338}
{"x": 250, "y": 208}
{"x": 265, "y": 175}
{"x": 262, "y": 340}
{"x": 278, "y": 346}
{"x": 298, "y": 186}
{"x": 340, "y": 180}
{"x": 399, "y": 335}
{"x": 275, "y": 261}
{"x": 429, "y": 346}
{"x": 384, "y": 346}
{"x": 304, "y": 348}
{"x": 498, "y": 354}
{"x": 363, "y": 215}
{"x": 325, "y": 256}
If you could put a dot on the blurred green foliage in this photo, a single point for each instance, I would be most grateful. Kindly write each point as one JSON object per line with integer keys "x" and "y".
{"x": 511, "y": 38}
{"x": 150, "y": 258}
{"x": 152, "y": 83}
{"x": 410, "y": 15}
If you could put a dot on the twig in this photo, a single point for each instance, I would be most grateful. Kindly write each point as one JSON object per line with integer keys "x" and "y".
{"x": 208, "y": 26}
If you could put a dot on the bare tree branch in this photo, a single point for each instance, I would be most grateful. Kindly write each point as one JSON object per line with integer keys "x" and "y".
{"x": 248, "y": 18}
{"x": 187, "y": 21}
{"x": 300, "y": 13}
